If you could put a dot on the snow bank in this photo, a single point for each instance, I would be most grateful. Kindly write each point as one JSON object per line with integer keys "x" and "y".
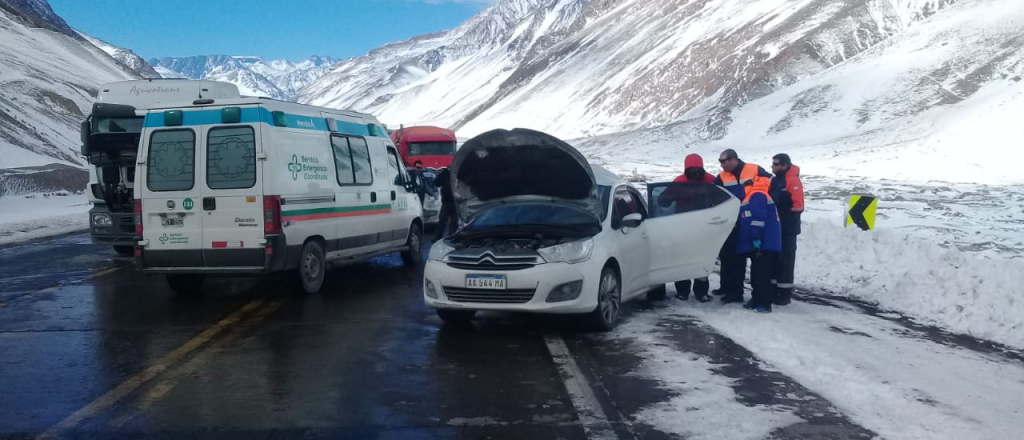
{"x": 37, "y": 216}
{"x": 935, "y": 285}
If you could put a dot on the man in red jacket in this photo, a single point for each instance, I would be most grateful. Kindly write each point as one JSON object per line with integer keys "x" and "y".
{"x": 685, "y": 198}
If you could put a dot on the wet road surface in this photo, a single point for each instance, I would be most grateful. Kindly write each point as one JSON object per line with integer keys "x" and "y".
{"x": 90, "y": 348}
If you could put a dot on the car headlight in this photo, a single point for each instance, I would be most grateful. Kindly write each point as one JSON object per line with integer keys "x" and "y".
{"x": 101, "y": 220}
{"x": 572, "y": 252}
{"x": 439, "y": 250}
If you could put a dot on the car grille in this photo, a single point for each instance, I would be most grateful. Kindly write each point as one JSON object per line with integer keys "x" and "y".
{"x": 510, "y": 296}
{"x": 488, "y": 260}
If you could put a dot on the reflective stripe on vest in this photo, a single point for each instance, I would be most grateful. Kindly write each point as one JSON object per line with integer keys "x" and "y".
{"x": 749, "y": 173}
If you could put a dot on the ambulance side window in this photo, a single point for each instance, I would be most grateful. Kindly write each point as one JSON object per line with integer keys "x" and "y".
{"x": 342, "y": 160}
{"x": 361, "y": 165}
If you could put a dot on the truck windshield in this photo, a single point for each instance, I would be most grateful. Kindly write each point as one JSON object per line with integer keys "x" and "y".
{"x": 117, "y": 125}
{"x": 446, "y": 148}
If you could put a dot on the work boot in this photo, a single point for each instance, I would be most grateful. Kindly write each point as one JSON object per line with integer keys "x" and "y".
{"x": 704, "y": 298}
{"x": 782, "y": 298}
{"x": 717, "y": 292}
{"x": 763, "y": 309}
{"x": 749, "y": 305}
{"x": 682, "y": 296}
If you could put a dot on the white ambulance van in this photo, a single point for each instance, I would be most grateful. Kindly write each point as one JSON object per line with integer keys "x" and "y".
{"x": 252, "y": 186}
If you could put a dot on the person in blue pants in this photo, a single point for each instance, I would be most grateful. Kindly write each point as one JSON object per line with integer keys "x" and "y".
{"x": 760, "y": 239}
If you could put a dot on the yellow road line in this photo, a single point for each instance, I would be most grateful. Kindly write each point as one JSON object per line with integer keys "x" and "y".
{"x": 158, "y": 391}
{"x": 103, "y": 272}
{"x": 135, "y": 382}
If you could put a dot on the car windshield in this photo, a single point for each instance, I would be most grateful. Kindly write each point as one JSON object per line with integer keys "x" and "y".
{"x": 117, "y": 125}
{"x": 431, "y": 148}
{"x": 533, "y": 216}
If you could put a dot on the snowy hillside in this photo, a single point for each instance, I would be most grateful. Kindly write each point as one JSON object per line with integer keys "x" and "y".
{"x": 130, "y": 59}
{"x": 843, "y": 74}
{"x": 941, "y": 101}
{"x": 280, "y": 79}
{"x": 49, "y": 76}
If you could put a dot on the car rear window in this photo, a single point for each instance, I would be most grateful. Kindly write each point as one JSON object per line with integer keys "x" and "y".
{"x": 171, "y": 165}
{"x": 231, "y": 158}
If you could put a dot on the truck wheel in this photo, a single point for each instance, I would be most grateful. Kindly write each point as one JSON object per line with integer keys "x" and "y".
{"x": 414, "y": 255}
{"x": 609, "y": 301}
{"x": 186, "y": 284}
{"x": 124, "y": 250}
{"x": 312, "y": 267}
{"x": 455, "y": 316}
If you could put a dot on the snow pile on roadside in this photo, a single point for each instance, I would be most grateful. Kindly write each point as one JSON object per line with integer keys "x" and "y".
{"x": 935, "y": 285}
{"x": 37, "y": 215}
{"x": 705, "y": 405}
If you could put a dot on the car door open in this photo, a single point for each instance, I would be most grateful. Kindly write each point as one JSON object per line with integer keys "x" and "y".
{"x": 688, "y": 224}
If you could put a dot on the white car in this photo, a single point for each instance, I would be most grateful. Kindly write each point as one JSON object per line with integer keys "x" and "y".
{"x": 548, "y": 233}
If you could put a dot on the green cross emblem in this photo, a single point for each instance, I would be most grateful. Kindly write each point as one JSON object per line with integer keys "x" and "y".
{"x": 295, "y": 167}
{"x": 164, "y": 238}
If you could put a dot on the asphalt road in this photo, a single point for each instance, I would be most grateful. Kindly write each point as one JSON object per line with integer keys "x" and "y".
{"x": 90, "y": 348}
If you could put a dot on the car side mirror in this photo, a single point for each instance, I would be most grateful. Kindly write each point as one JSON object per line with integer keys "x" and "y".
{"x": 633, "y": 220}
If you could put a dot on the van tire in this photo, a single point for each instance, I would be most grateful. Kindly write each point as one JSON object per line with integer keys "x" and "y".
{"x": 124, "y": 250}
{"x": 186, "y": 284}
{"x": 312, "y": 270}
{"x": 413, "y": 256}
{"x": 456, "y": 316}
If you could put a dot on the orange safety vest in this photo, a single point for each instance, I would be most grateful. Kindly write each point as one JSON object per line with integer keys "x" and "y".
{"x": 749, "y": 173}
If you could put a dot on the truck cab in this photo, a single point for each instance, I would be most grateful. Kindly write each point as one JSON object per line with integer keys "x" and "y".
{"x": 433, "y": 146}
{"x": 110, "y": 140}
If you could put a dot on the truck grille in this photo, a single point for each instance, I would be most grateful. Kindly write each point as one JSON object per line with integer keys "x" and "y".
{"x": 510, "y": 296}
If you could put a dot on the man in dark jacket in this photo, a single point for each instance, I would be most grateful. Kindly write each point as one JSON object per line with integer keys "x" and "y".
{"x": 685, "y": 199}
{"x": 448, "y": 219}
{"x": 788, "y": 193}
{"x": 736, "y": 177}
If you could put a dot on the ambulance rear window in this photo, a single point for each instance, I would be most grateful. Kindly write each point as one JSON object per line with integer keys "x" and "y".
{"x": 172, "y": 160}
{"x": 231, "y": 158}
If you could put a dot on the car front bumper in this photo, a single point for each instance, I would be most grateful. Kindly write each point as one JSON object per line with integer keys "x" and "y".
{"x": 540, "y": 279}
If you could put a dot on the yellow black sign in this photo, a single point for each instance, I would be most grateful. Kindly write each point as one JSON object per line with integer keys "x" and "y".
{"x": 860, "y": 211}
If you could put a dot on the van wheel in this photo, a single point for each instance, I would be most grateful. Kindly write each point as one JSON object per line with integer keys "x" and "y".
{"x": 312, "y": 267}
{"x": 124, "y": 250}
{"x": 186, "y": 284}
{"x": 414, "y": 255}
{"x": 455, "y": 316}
{"x": 609, "y": 300}
{"x": 657, "y": 293}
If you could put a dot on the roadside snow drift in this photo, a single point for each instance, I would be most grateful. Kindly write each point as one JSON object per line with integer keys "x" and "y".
{"x": 944, "y": 287}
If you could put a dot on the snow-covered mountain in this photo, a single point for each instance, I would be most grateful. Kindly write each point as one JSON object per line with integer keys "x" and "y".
{"x": 126, "y": 56}
{"x": 743, "y": 71}
{"x": 49, "y": 77}
{"x": 281, "y": 79}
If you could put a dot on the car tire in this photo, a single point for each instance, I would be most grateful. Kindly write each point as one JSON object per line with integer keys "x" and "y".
{"x": 186, "y": 284}
{"x": 456, "y": 316}
{"x": 312, "y": 270}
{"x": 124, "y": 250}
{"x": 413, "y": 256}
{"x": 658, "y": 293}
{"x": 609, "y": 301}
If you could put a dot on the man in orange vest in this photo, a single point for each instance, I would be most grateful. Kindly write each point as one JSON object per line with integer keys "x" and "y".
{"x": 736, "y": 177}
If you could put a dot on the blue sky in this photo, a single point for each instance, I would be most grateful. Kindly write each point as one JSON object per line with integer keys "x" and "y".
{"x": 292, "y": 29}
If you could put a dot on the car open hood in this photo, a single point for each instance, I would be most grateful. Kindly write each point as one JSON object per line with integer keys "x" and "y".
{"x": 503, "y": 166}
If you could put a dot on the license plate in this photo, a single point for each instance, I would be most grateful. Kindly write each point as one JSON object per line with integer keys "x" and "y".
{"x": 486, "y": 282}
{"x": 172, "y": 222}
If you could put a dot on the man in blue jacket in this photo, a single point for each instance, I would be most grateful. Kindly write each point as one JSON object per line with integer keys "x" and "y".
{"x": 760, "y": 239}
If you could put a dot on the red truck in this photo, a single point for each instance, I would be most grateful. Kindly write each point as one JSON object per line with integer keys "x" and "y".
{"x": 434, "y": 146}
